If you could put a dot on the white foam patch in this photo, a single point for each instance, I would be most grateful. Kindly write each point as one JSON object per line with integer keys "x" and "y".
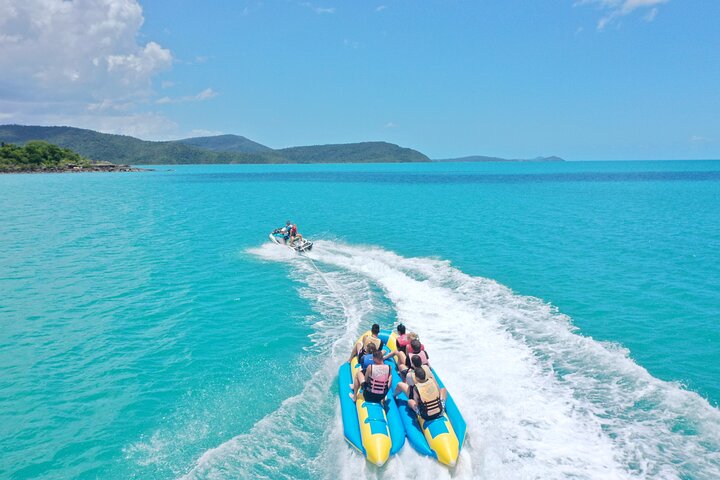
{"x": 540, "y": 400}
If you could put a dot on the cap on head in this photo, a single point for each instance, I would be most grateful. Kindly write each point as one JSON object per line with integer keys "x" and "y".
{"x": 401, "y": 329}
{"x": 415, "y": 344}
{"x": 375, "y": 329}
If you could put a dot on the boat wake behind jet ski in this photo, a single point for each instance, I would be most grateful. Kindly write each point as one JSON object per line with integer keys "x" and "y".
{"x": 300, "y": 245}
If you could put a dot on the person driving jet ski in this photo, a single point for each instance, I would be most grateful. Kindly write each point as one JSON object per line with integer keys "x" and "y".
{"x": 284, "y": 231}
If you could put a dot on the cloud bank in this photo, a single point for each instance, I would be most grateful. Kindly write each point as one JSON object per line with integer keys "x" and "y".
{"x": 78, "y": 62}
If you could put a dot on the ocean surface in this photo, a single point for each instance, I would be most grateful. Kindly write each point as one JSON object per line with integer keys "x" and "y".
{"x": 148, "y": 329}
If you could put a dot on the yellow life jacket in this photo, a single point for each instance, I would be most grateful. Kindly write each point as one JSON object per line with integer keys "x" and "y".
{"x": 369, "y": 339}
{"x": 429, "y": 405}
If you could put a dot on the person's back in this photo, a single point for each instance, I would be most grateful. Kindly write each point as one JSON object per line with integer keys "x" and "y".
{"x": 417, "y": 363}
{"x": 416, "y": 349}
{"x": 367, "y": 359}
{"x": 377, "y": 380}
{"x": 402, "y": 340}
{"x": 372, "y": 339}
{"x": 427, "y": 399}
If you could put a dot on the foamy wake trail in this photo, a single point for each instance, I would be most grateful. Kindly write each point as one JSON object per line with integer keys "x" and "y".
{"x": 540, "y": 400}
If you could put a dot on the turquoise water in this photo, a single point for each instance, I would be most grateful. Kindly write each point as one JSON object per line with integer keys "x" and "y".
{"x": 149, "y": 330}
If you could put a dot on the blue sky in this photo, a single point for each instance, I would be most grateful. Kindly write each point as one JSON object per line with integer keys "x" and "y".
{"x": 592, "y": 79}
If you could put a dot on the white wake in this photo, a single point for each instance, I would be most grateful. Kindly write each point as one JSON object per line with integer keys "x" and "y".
{"x": 540, "y": 400}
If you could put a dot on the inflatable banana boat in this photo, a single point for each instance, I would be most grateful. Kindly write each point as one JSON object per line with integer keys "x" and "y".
{"x": 441, "y": 438}
{"x": 375, "y": 430}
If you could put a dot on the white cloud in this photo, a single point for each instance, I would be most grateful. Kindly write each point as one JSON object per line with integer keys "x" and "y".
{"x": 390, "y": 125}
{"x": 620, "y": 8}
{"x": 380, "y": 8}
{"x": 316, "y": 9}
{"x": 167, "y": 84}
{"x": 200, "y": 132}
{"x": 206, "y": 94}
{"x": 699, "y": 139}
{"x": 80, "y": 58}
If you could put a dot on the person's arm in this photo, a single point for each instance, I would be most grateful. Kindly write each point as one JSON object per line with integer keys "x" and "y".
{"x": 391, "y": 354}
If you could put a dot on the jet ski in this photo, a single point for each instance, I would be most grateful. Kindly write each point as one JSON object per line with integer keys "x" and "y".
{"x": 300, "y": 245}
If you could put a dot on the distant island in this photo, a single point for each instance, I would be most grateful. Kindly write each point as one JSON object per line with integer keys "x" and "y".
{"x": 219, "y": 149}
{"x": 43, "y": 157}
{"x": 480, "y": 158}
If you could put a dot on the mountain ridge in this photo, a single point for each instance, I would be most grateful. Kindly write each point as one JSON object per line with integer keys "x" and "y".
{"x": 223, "y": 150}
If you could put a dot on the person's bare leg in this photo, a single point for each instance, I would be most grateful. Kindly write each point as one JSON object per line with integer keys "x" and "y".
{"x": 359, "y": 380}
{"x": 413, "y": 405}
{"x": 402, "y": 387}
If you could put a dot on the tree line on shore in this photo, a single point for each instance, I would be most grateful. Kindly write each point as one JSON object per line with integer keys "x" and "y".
{"x": 39, "y": 156}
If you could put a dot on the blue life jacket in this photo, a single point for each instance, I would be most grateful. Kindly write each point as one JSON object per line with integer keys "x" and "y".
{"x": 366, "y": 361}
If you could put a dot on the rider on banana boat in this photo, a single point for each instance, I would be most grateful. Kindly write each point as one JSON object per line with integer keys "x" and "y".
{"x": 402, "y": 340}
{"x": 360, "y": 348}
{"x": 415, "y": 349}
{"x": 427, "y": 399}
{"x": 409, "y": 382}
{"x": 375, "y": 381}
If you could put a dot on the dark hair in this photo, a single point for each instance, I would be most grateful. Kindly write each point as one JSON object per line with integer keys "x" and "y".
{"x": 420, "y": 374}
{"x": 416, "y": 361}
{"x": 370, "y": 349}
{"x": 401, "y": 329}
{"x": 375, "y": 328}
{"x": 415, "y": 344}
{"x": 378, "y": 355}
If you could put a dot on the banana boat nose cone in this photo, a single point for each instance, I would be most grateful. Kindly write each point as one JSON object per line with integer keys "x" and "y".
{"x": 448, "y": 455}
{"x": 378, "y": 458}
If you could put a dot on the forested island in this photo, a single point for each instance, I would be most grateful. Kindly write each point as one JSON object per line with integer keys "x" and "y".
{"x": 39, "y": 157}
{"x": 219, "y": 149}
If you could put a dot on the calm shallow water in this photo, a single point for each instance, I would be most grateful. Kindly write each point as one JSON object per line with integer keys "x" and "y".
{"x": 147, "y": 330}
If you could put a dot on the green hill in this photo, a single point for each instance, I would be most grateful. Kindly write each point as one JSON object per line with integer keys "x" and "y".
{"x": 226, "y": 143}
{"x": 366, "y": 152}
{"x": 121, "y": 149}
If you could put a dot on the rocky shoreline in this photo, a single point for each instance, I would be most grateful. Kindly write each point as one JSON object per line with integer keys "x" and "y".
{"x": 70, "y": 168}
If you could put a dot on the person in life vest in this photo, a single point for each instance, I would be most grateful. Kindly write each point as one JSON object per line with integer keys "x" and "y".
{"x": 402, "y": 339}
{"x": 375, "y": 382}
{"x": 284, "y": 231}
{"x": 415, "y": 349}
{"x": 293, "y": 234}
{"x": 427, "y": 399}
{"x": 360, "y": 348}
{"x": 409, "y": 382}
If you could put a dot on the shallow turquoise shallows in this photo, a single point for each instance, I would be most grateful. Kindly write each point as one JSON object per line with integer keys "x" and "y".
{"x": 148, "y": 329}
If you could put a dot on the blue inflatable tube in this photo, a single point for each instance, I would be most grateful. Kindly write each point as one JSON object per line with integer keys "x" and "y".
{"x": 447, "y": 433}
{"x": 373, "y": 429}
